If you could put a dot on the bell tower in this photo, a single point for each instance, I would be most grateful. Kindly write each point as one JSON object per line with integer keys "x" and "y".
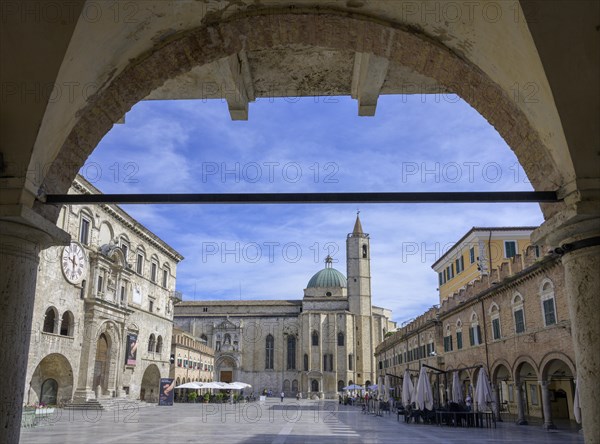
{"x": 358, "y": 258}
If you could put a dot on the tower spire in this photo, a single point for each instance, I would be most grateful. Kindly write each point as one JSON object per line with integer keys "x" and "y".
{"x": 357, "y": 225}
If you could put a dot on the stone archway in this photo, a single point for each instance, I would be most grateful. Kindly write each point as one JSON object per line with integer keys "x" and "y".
{"x": 354, "y": 34}
{"x": 52, "y": 380}
{"x": 558, "y": 384}
{"x": 150, "y": 384}
{"x": 226, "y": 368}
{"x": 581, "y": 190}
{"x": 101, "y": 365}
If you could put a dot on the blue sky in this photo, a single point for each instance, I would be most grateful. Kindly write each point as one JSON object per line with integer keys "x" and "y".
{"x": 415, "y": 143}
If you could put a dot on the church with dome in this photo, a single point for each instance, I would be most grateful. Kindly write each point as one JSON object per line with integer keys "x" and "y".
{"x": 314, "y": 346}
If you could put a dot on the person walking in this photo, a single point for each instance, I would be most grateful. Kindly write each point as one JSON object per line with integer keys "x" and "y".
{"x": 282, "y": 396}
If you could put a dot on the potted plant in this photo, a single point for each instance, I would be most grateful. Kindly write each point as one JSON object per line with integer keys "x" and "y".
{"x": 206, "y": 397}
{"x": 192, "y": 397}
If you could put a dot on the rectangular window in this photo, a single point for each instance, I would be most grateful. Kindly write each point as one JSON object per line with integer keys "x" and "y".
{"x": 440, "y": 278}
{"x": 459, "y": 340}
{"x": 549, "y": 314}
{"x": 150, "y": 305}
{"x": 139, "y": 266}
{"x": 100, "y": 284}
{"x": 451, "y": 270}
{"x": 477, "y": 335}
{"x": 510, "y": 249}
{"x": 472, "y": 255}
{"x": 165, "y": 279}
{"x": 84, "y": 231}
{"x": 511, "y": 395}
{"x": 460, "y": 264}
{"x": 350, "y": 364}
{"x": 448, "y": 343}
{"x": 519, "y": 321}
{"x": 122, "y": 294}
{"x": 153, "y": 272}
{"x": 496, "y": 328}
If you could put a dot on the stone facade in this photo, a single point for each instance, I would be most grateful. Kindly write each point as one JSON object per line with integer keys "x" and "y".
{"x": 314, "y": 346}
{"x": 103, "y": 309}
{"x": 515, "y": 323}
{"x": 192, "y": 359}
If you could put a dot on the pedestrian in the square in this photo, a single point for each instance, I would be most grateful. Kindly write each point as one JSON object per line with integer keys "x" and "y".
{"x": 282, "y": 396}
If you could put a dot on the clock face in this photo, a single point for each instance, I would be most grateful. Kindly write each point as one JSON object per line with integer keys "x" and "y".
{"x": 74, "y": 264}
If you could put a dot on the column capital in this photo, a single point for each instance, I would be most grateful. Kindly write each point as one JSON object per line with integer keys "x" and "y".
{"x": 580, "y": 219}
{"x": 21, "y": 223}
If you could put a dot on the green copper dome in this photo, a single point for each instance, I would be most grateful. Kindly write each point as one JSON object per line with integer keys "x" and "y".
{"x": 327, "y": 278}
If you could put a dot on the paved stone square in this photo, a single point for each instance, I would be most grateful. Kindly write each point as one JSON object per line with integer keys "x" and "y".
{"x": 289, "y": 422}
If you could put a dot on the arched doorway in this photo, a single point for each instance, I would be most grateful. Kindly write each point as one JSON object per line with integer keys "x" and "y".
{"x": 504, "y": 386}
{"x": 49, "y": 391}
{"x": 150, "y": 384}
{"x": 557, "y": 373}
{"x": 101, "y": 365}
{"x": 314, "y": 385}
{"x": 51, "y": 381}
{"x": 527, "y": 381}
{"x": 226, "y": 368}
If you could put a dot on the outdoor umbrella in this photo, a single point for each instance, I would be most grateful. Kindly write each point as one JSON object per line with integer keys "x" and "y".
{"x": 456, "y": 389}
{"x": 407, "y": 388}
{"x": 191, "y": 385}
{"x": 352, "y": 387}
{"x": 239, "y": 385}
{"x": 424, "y": 394}
{"x": 216, "y": 385}
{"x": 484, "y": 396}
{"x": 576, "y": 406}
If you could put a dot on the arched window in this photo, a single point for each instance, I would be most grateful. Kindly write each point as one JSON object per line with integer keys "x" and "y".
{"x": 340, "y": 385}
{"x": 364, "y": 251}
{"x": 66, "y": 324}
{"x": 315, "y": 338}
{"x": 474, "y": 331}
{"x": 294, "y": 386}
{"x": 548, "y": 304}
{"x": 286, "y": 386}
{"x": 459, "y": 338}
{"x": 495, "y": 320}
{"x": 291, "y": 352}
{"x": 305, "y": 362}
{"x": 269, "y": 349}
{"x": 159, "y": 344}
{"x": 448, "y": 340}
{"x": 203, "y": 337}
{"x": 151, "y": 343}
{"x": 50, "y": 320}
{"x": 518, "y": 313}
{"x": 340, "y": 339}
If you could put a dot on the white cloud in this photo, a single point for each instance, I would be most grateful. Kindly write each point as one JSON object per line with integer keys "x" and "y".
{"x": 409, "y": 146}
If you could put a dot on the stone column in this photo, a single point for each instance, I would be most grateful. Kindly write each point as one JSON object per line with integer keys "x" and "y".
{"x": 23, "y": 234}
{"x": 582, "y": 284}
{"x": 496, "y": 388}
{"x": 546, "y": 407}
{"x": 520, "y": 407}
{"x": 575, "y": 235}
